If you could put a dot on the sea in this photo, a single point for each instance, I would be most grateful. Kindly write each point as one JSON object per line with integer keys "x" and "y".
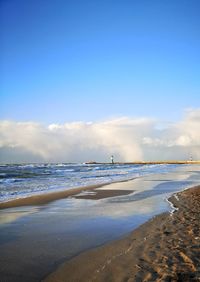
{"x": 23, "y": 180}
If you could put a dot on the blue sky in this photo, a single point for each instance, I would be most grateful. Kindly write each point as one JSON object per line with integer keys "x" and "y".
{"x": 87, "y": 60}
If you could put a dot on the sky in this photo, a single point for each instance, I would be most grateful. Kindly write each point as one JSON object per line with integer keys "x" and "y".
{"x": 71, "y": 65}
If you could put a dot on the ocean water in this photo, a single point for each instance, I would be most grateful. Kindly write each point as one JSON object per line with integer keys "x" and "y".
{"x": 22, "y": 180}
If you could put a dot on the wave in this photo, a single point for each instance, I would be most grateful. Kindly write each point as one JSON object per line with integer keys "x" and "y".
{"x": 33, "y": 178}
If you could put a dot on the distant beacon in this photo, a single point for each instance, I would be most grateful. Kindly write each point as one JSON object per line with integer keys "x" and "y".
{"x": 112, "y": 159}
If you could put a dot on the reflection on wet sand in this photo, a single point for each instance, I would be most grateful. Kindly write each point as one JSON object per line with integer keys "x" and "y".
{"x": 101, "y": 194}
{"x": 9, "y": 216}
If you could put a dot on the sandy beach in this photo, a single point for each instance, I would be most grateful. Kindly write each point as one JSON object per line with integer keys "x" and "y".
{"x": 121, "y": 231}
{"x": 166, "y": 248}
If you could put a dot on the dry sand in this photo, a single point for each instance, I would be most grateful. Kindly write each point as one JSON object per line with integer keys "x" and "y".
{"x": 166, "y": 248}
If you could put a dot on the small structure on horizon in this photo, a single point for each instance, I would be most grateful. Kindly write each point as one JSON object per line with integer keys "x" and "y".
{"x": 191, "y": 158}
{"x": 112, "y": 159}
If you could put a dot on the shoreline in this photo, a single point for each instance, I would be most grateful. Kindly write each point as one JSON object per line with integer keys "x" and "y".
{"x": 45, "y": 198}
{"x": 165, "y": 248}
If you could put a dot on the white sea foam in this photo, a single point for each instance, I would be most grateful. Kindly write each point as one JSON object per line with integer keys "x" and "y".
{"x": 173, "y": 208}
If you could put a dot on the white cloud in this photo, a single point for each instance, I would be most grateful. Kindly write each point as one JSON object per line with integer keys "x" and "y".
{"x": 128, "y": 139}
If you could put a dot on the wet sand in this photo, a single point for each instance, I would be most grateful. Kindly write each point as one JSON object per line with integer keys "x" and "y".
{"x": 102, "y": 194}
{"x": 166, "y": 248}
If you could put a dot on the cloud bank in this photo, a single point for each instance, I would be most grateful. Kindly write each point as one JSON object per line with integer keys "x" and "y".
{"x": 128, "y": 139}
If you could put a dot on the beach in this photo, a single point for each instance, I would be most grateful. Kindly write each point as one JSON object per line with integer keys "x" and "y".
{"x": 167, "y": 248}
{"x": 100, "y": 141}
{"x": 123, "y": 231}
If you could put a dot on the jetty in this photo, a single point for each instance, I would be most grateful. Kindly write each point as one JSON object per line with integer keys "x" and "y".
{"x": 146, "y": 162}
